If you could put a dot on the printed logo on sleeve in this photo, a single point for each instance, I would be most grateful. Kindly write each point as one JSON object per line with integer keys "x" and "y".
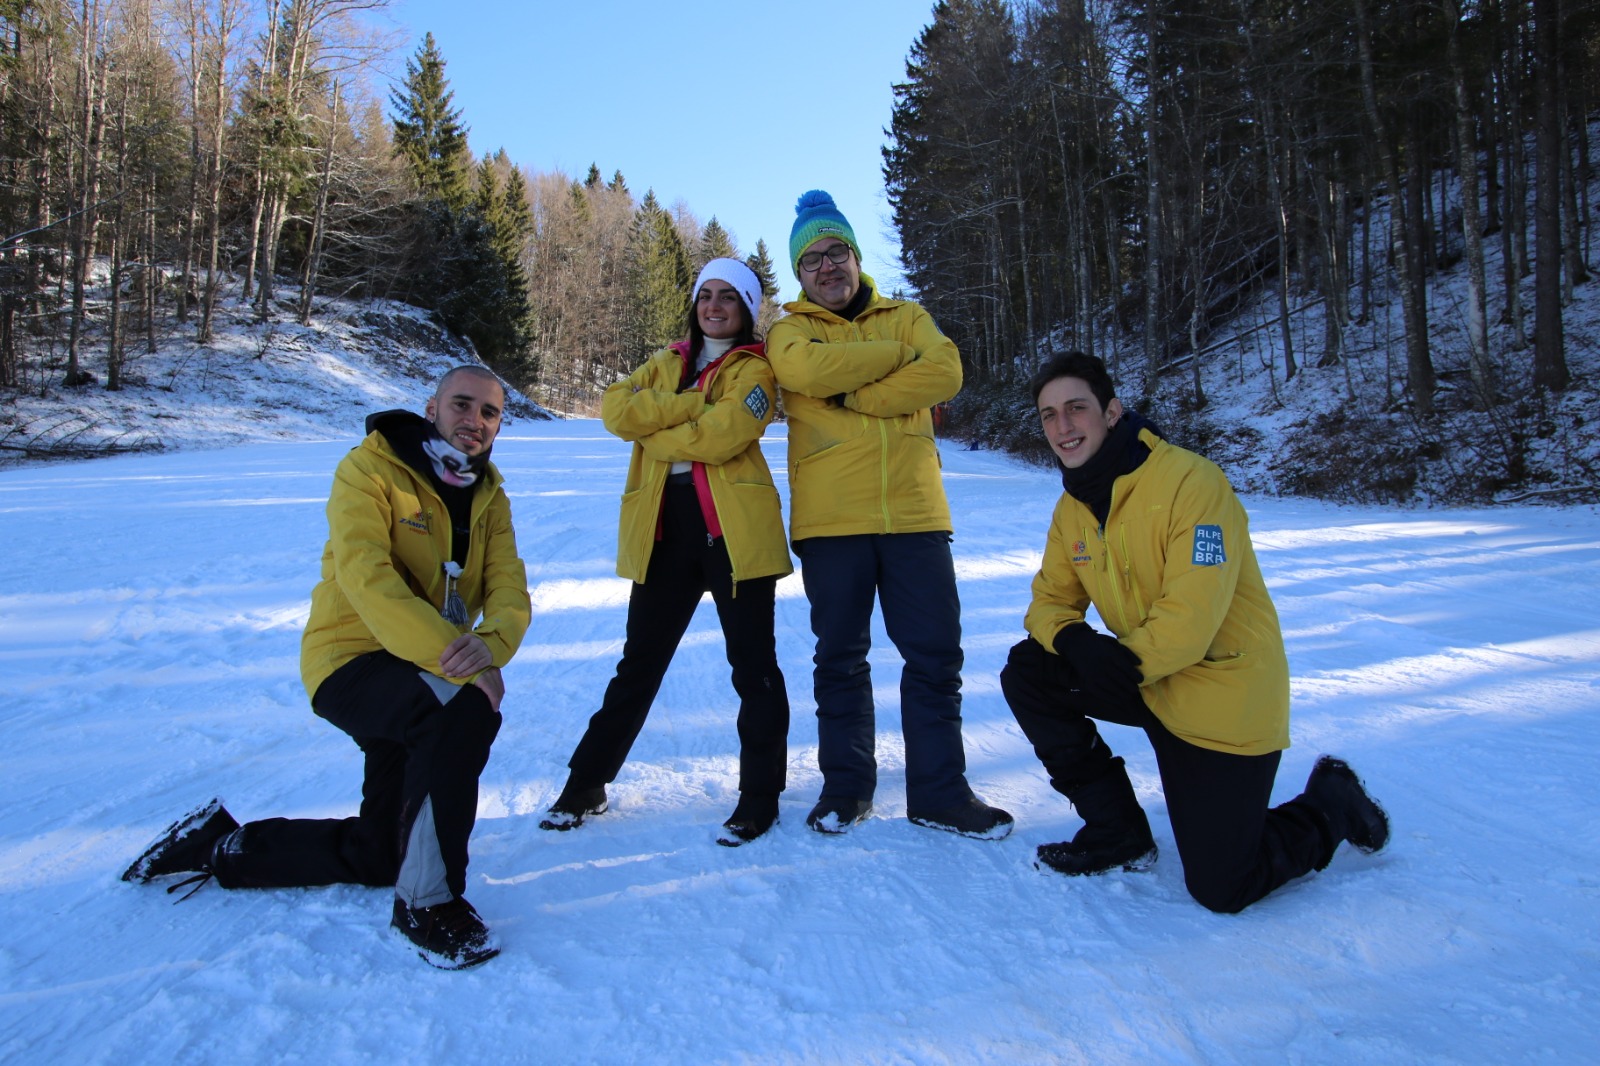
{"x": 1208, "y": 550}
{"x": 757, "y": 402}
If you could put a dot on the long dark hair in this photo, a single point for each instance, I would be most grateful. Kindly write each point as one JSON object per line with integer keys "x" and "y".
{"x": 697, "y": 337}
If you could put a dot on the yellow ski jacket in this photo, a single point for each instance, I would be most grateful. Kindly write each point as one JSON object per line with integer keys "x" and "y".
{"x": 857, "y": 395}
{"x": 383, "y": 580}
{"x": 717, "y": 426}
{"x": 1174, "y": 576}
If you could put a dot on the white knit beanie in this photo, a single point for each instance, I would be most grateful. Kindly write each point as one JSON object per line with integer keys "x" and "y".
{"x": 735, "y": 273}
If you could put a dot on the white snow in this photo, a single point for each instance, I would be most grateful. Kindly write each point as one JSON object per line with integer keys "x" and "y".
{"x": 150, "y": 613}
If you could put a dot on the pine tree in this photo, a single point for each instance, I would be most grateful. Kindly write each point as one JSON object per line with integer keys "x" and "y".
{"x": 617, "y": 184}
{"x": 658, "y": 279}
{"x": 428, "y": 133}
{"x": 582, "y": 211}
{"x": 714, "y": 244}
{"x": 469, "y": 234}
{"x": 490, "y": 299}
{"x": 593, "y": 179}
{"x": 760, "y": 261}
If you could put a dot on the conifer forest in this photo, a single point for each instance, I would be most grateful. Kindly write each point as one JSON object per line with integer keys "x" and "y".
{"x": 210, "y": 152}
{"x": 1125, "y": 175}
{"x": 1119, "y": 177}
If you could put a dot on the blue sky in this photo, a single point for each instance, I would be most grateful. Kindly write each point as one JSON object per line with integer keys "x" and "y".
{"x": 735, "y": 109}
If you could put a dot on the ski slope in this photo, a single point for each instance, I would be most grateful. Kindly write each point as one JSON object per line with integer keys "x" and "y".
{"x": 150, "y": 614}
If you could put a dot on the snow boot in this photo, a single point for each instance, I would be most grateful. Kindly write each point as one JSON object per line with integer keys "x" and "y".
{"x": 973, "y": 818}
{"x": 449, "y": 935}
{"x": 186, "y": 845}
{"x": 1115, "y": 830}
{"x": 573, "y": 806}
{"x": 751, "y": 818}
{"x": 834, "y": 815}
{"x": 1334, "y": 791}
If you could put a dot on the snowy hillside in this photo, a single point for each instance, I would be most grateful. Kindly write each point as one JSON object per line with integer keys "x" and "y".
{"x": 275, "y": 380}
{"x": 149, "y": 634}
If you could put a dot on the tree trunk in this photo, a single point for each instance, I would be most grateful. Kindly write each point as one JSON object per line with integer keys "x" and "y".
{"x": 1471, "y": 219}
{"x": 319, "y": 217}
{"x": 91, "y": 125}
{"x": 1416, "y": 340}
{"x": 1549, "y": 358}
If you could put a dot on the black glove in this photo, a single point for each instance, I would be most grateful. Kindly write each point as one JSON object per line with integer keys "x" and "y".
{"x": 1104, "y": 669}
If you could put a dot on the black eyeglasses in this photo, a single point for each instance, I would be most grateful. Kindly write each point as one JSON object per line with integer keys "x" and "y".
{"x": 838, "y": 255}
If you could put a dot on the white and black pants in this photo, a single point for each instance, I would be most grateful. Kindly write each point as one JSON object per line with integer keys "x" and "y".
{"x": 426, "y": 741}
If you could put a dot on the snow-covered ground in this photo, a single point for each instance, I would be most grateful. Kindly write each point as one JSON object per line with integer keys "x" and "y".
{"x": 150, "y": 612}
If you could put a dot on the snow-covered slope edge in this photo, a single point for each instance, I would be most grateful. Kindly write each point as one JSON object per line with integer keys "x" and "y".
{"x": 256, "y": 381}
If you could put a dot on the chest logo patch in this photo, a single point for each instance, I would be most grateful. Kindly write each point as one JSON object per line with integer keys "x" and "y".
{"x": 417, "y": 523}
{"x": 1208, "y": 549}
{"x": 1080, "y": 554}
{"x": 757, "y": 403}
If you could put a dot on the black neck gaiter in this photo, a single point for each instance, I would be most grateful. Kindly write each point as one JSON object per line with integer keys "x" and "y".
{"x": 1120, "y": 453}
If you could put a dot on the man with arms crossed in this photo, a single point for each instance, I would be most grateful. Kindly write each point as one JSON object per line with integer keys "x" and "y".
{"x": 868, "y": 518}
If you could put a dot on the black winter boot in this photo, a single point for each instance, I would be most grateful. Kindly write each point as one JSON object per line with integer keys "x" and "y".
{"x": 573, "y": 806}
{"x": 751, "y": 818}
{"x": 1115, "y": 830}
{"x": 185, "y": 846}
{"x": 1334, "y": 791}
{"x": 449, "y": 936}
{"x": 973, "y": 818}
{"x": 834, "y": 815}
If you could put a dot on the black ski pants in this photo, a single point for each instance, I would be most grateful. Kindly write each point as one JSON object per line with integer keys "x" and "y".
{"x": 685, "y": 564}
{"x": 1235, "y": 848}
{"x": 912, "y": 577}
{"x": 426, "y": 742}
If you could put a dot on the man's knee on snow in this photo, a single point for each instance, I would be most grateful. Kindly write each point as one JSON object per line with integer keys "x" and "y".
{"x": 1026, "y": 670}
{"x": 1218, "y": 894}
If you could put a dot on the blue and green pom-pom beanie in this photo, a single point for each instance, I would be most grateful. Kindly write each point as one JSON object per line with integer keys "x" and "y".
{"x": 816, "y": 216}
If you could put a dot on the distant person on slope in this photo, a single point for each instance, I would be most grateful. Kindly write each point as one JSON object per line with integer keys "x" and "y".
{"x": 419, "y": 546}
{"x": 869, "y": 520}
{"x": 699, "y": 514}
{"x": 1154, "y": 537}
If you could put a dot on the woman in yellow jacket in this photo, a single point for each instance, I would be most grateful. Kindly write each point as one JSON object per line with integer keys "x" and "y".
{"x": 699, "y": 514}
{"x": 1153, "y": 536}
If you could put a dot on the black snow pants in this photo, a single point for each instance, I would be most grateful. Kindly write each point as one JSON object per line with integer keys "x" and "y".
{"x": 912, "y": 578}
{"x": 426, "y": 741}
{"x": 685, "y": 564}
{"x": 1235, "y": 848}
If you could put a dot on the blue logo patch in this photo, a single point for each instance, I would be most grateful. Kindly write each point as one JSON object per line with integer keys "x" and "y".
{"x": 757, "y": 403}
{"x": 1208, "y": 550}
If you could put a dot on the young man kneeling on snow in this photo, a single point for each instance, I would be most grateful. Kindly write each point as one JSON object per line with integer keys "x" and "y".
{"x": 1153, "y": 536}
{"x": 420, "y": 545}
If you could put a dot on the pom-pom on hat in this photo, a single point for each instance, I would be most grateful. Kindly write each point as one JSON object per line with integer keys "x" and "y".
{"x": 816, "y": 216}
{"x": 735, "y": 273}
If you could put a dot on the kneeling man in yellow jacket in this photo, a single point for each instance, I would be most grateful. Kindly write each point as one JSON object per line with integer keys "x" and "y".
{"x": 1154, "y": 537}
{"x": 422, "y": 600}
